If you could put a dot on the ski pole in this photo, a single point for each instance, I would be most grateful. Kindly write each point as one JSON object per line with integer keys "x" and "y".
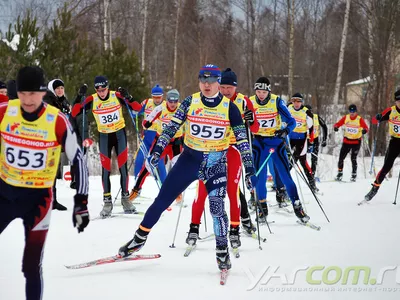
{"x": 271, "y": 150}
{"x": 305, "y": 180}
{"x": 205, "y": 220}
{"x": 397, "y": 189}
{"x": 177, "y": 221}
{"x": 374, "y": 148}
{"x": 297, "y": 175}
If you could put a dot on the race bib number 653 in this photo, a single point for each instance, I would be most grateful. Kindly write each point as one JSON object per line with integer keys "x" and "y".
{"x": 25, "y": 159}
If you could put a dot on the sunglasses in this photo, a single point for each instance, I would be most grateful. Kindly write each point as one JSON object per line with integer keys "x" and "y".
{"x": 173, "y": 100}
{"x": 101, "y": 90}
{"x": 210, "y": 79}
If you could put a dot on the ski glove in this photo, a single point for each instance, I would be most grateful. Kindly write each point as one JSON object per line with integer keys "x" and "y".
{"x": 80, "y": 215}
{"x": 147, "y": 124}
{"x": 124, "y": 93}
{"x": 378, "y": 117}
{"x": 335, "y": 129}
{"x": 251, "y": 180}
{"x": 364, "y": 131}
{"x": 323, "y": 144}
{"x": 154, "y": 159}
{"x": 82, "y": 90}
{"x": 282, "y": 133}
{"x": 248, "y": 115}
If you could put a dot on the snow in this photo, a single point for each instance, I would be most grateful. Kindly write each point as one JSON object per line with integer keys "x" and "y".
{"x": 356, "y": 236}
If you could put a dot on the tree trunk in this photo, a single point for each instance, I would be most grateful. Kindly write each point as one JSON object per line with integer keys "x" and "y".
{"x": 106, "y": 25}
{"x": 178, "y": 13}
{"x": 341, "y": 54}
{"x": 291, "y": 45}
{"x": 143, "y": 65}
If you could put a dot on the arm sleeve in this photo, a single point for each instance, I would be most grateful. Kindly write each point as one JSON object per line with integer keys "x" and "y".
{"x": 386, "y": 114}
{"x": 286, "y": 115}
{"x": 67, "y": 138}
{"x": 77, "y": 108}
{"x": 340, "y": 122}
{"x": 155, "y": 114}
{"x": 310, "y": 125}
{"x": 324, "y": 128}
{"x": 173, "y": 126}
{"x": 255, "y": 126}
{"x": 135, "y": 106}
{"x": 242, "y": 143}
{"x": 363, "y": 124}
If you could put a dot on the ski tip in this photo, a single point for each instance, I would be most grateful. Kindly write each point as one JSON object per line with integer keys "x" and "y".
{"x": 264, "y": 240}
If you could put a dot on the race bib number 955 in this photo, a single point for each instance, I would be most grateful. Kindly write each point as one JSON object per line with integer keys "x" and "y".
{"x": 25, "y": 159}
{"x": 208, "y": 132}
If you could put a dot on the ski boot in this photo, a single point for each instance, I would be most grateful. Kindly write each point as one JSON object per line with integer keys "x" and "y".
{"x": 248, "y": 226}
{"x": 134, "y": 194}
{"x": 353, "y": 177}
{"x": 263, "y": 212}
{"x": 339, "y": 176}
{"x": 127, "y": 205}
{"x": 58, "y": 206}
{"x": 299, "y": 212}
{"x": 193, "y": 234}
{"x": 135, "y": 244}
{"x": 223, "y": 259}
{"x": 234, "y": 237}
{"x": 313, "y": 186}
{"x": 371, "y": 194}
{"x": 73, "y": 185}
{"x": 281, "y": 197}
{"x": 107, "y": 207}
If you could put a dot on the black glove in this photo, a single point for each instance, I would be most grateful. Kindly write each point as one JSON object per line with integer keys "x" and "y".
{"x": 282, "y": 133}
{"x": 310, "y": 147}
{"x": 378, "y": 117}
{"x": 147, "y": 124}
{"x": 335, "y": 129}
{"x": 80, "y": 215}
{"x": 248, "y": 115}
{"x": 124, "y": 93}
{"x": 82, "y": 90}
{"x": 323, "y": 144}
{"x": 364, "y": 131}
{"x": 154, "y": 159}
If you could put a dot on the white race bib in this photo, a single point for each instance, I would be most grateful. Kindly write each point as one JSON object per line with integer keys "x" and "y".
{"x": 24, "y": 158}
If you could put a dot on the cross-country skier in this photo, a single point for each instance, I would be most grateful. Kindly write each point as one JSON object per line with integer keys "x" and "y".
{"x": 162, "y": 115}
{"x": 298, "y": 137}
{"x": 106, "y": 106}
{"x": 32, "y": 135}
{"x": 354, "y": 128}
{"x": 318, "y": 124}
{"x": 209, "y": 119}
{"x": 392, "y": 115}
{"x": 271, "y": 111}
{"x": 237, "y": 202}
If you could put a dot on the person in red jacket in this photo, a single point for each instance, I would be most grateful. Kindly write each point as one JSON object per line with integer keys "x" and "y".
{"x": 238, "y": 205}
{"x": 3, "y": 92}
{"x": 392, "y": 115}
{"x": 354, "y": 128}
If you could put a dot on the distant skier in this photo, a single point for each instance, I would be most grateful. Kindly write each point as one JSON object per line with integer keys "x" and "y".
{"x": 354, "y": 128}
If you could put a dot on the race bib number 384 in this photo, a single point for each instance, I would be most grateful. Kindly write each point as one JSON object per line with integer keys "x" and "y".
{"x": 109, "y": 118}
{"x": 25, "y": 159}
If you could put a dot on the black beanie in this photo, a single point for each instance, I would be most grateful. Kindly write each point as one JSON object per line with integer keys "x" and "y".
{"x": 31, "y": 79}
{"x": 397, "y": 95}
{"x": 57, "y": 83}
{"x": 298, "y": 96}
{"x": 2, "y": 85}
{"x": 229, "y": 77}
{"x": 262, "y": 83}
{"x": 12, "y": 89}
{"x": 352, "y": 108}
{"x": 100, "y": 82}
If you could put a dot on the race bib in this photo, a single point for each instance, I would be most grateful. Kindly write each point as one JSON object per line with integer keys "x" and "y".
{"x": 207, "y": 132}
{"x": 109, "y": 118}
{"x": 352, "y": 130}
{"x": 25, "y": 159}
{"x": 269, "y": 123}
